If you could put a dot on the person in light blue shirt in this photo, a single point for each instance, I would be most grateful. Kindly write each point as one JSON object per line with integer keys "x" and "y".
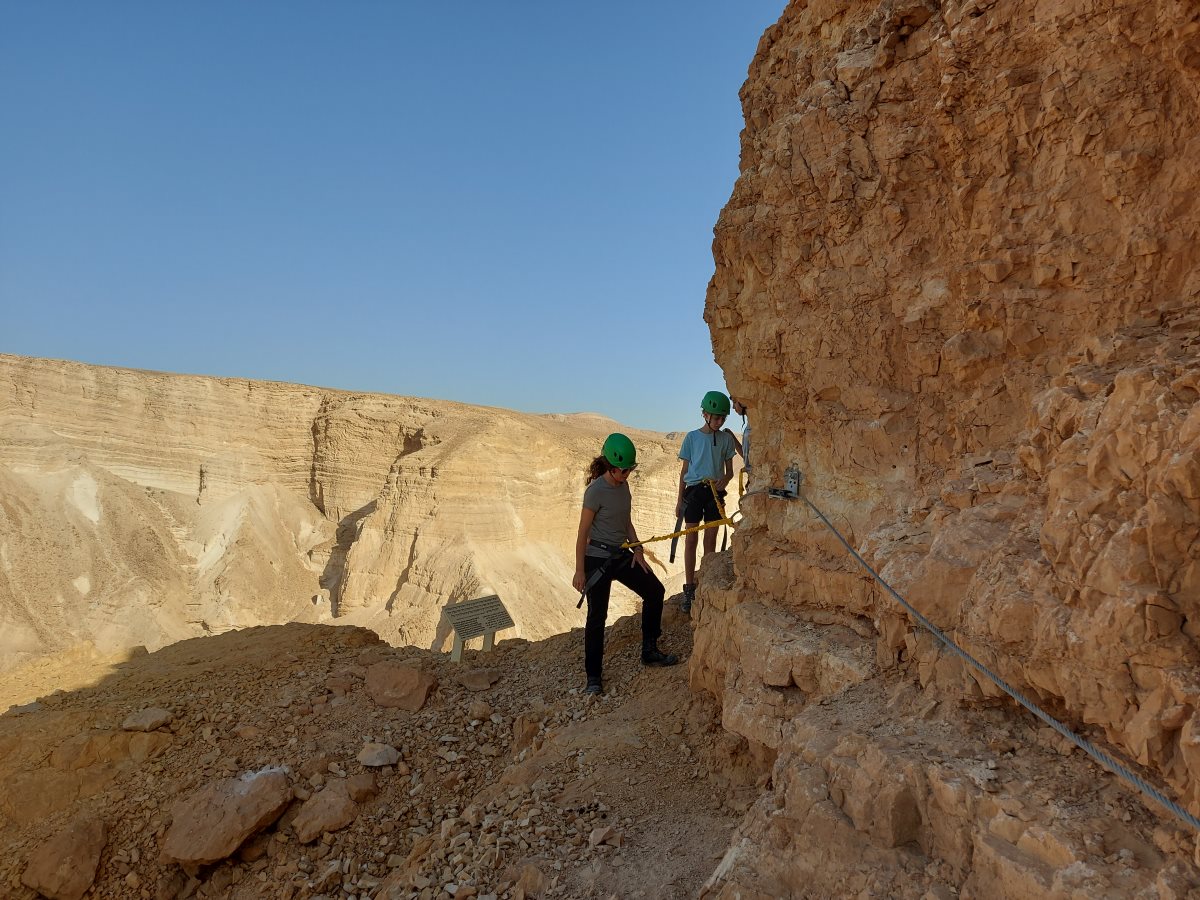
{"x": 707, "y": 455}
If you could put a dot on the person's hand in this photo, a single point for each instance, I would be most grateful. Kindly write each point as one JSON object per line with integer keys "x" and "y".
{"x": 579, "y": 580}
{"x": 679, "y": 508}
{"x": 639, "y": 559}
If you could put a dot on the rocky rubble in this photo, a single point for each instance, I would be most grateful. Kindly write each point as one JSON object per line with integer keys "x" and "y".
{"x": 279, "y": 775}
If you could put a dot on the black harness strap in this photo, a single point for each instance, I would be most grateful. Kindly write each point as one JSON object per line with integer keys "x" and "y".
{"x": 616, "y": 553}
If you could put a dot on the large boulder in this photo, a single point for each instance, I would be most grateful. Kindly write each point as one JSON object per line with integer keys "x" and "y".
{"x": 210, "y": 824}
{"x": 64, "y": 866}
{"x": 399, "y": 686}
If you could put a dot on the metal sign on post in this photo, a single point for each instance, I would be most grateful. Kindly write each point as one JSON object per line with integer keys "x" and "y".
{"x": 472, "y": 618}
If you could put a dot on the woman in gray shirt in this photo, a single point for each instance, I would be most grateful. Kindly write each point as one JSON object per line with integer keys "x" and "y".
{"x": 604, "y": 525}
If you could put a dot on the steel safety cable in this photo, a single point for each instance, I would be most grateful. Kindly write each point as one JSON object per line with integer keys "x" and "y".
{"x": 1082, "y": 743}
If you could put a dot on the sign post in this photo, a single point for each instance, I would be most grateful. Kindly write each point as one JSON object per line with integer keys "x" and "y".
{"x": 472, "y": 618}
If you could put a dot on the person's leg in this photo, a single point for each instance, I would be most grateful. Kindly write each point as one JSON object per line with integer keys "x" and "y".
{"x": 693, "y": 515}
{"x": 647, "y": 586}
{"x": 703, "y": 508}
{"x": 689, "y": 554}
{"x": 597, "y": 615}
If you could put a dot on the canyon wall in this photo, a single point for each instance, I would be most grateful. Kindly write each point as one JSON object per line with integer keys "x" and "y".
{"x": 957, "y": 285}
{"x": 139, "y": 508}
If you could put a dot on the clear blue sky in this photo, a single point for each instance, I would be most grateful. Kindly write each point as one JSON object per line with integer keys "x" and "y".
{"x": 508, "y": 204}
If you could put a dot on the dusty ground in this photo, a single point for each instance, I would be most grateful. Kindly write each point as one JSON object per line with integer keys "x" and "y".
{"x": 644, "y": 772}
{"x": 525, "y": 788}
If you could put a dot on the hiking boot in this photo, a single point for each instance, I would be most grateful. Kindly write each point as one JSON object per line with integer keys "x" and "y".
{"x": 689, "y": 594}
{"x": 655, "y": 657}
{"x": 594, "y": 685}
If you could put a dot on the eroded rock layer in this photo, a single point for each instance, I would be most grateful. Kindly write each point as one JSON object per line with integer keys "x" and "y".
{"x": 956, "y": 283}
{"x": 137, "y": 508}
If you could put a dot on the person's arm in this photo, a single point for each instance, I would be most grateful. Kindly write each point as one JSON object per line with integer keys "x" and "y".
{"x": 737, "y": 445}
{"x": 679, "y": 497}
{"x": 724, "y": 482}
{"x": 581, "y": 541}
{"x": 639, "y": 557}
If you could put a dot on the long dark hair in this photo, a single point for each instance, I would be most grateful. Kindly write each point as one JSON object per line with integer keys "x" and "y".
{"x": 597, "y": 467}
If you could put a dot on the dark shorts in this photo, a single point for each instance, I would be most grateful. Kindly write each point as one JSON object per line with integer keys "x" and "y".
{"x": 699, "y": 505}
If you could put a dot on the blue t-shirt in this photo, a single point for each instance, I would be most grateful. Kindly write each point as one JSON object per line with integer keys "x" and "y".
{"x": 706, "y": 458}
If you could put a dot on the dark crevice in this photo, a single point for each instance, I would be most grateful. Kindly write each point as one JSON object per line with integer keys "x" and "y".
{"x": 334, "y": 575}
{"x": 404, "y": 575}
{"x": 316, "y": 491}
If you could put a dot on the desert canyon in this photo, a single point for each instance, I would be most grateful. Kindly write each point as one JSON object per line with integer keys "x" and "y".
{"x": 141, "y": 508}
{"x": 955, "y": 283}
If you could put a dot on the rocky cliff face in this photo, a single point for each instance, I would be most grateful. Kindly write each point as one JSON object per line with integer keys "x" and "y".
{"x": 957, "y": 284}
{"x": 141, "y": 508}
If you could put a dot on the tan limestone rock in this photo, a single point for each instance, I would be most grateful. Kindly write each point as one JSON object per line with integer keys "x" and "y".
{"x": 378, "y": 755}
{"x": 605, "y": 835}
{"x": 149, "y": 719}
{"x": 34, "y": 796}
{"x": 987, "y": 376}
{"x": 479, "y": 709}
{"x": 328, "y": 810}
{"x": 532, "y": 881}
{"x": 211, "y": 823}
{"x": 400, "y": 686}
{"x": 64, "y": 866}
{"x": 479, "y": 679}
{"x": 362, "y": 786}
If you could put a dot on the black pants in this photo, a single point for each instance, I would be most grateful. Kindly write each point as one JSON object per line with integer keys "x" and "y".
{"x": 645, "y": 584}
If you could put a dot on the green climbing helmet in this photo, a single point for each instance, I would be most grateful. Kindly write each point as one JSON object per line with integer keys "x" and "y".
{"x": 716, "y": 403}
{"x": 619, "y": 451}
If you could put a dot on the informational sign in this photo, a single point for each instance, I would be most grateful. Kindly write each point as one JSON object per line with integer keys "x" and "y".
{"x": 472, "y": 618}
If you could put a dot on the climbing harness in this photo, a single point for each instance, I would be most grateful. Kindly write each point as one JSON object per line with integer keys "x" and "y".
{"x": 615, "y": 553}
{"x": 791, "y": 491}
